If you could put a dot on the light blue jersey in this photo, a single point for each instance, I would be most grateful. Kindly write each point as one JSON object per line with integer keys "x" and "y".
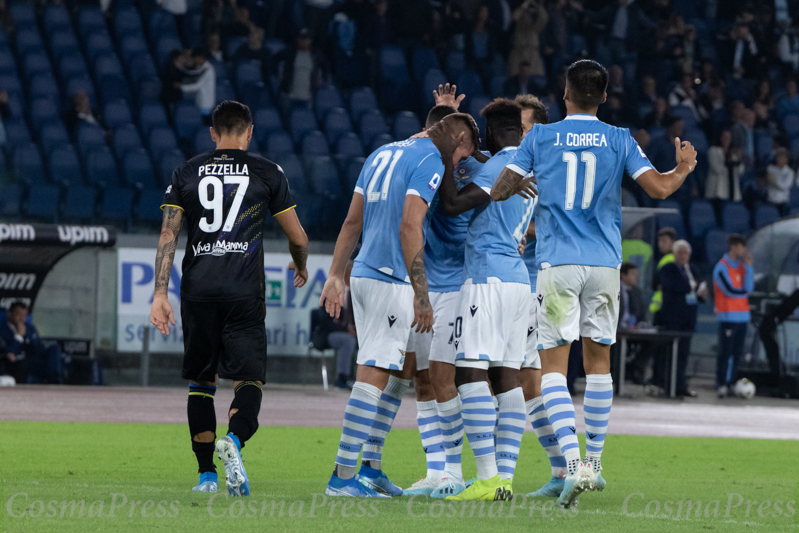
{"x": 445, "y": 238}
{"x": 388, "y": 175}
{"x": 578, "y": 164}
{"x": 530, "y": 260}
{"x": 496, "y": 229}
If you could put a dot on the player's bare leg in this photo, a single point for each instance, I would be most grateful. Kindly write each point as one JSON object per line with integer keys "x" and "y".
{"x": 202, "y": 426}
{"x": 597, "y": 403}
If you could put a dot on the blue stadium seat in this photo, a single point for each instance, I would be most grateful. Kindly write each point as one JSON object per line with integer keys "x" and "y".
{"x": 132, "y": 46}
{"x": 169, "y": 161}
{"x": 315, "y": 144}
{"x": 10, "y": 82}
{"x": 137, "y": 169}
{"x": 266, "y": 121}
{"x": 372, "y": 124}
{"x": 44, "y": 86}
{"x": 116, "y": 113}
{"x": 79, "y": 203}
{"x": 324, "y": 176}
{"x": 53, "y": 134}
{"x": 301, "y": 122}
{"x": 381, "y": 140}
{"x": 469, "y": 83}
{"x": 72, "y": 65}
{"x": 735, "y": 218}
{"x": 17, "y": 132}
{"x": 126, "y": 137}
{"x": 65, "y": 165}
{"x": 23, "y": 14}
{"x": 326, "y": 98}
{"x": 55, "y": 17}
{"x": 337, "y": 123}
{"x": 202, "y": 142}
{"x": 166, "y": 43}
{"x": 27, "y": 163}
{"x": 476, "y": 104}
{"x": 63, "y": 42}
{"x": 78, "y": 84}
{"x": 393, "y": 67}
{"x": 352, "y": 172}
{"x": 141, "y": 66}
{"x": 107, "y": 65}
{"x": 148, "y": 91}
{"x": 117, "y": 205}
{"x": 98, "y": 44}
{"x": 791, "y": 125}
{"x": 7, "y": 61}
{"x": 10, "y": 200}
{"x": 686, "y": 114}
{"x": 151, "y": 116}
{"x": 362, "y": 100}
{"x": 671, "y": 220}
{"x": 432, "y": 79}
{"x": 187, "y": 120}
{"x": 233, "y": 44}
{"x": 764, "y": 144}
{"x": 294, "y": 172}
{"x": 278, "y": 144}
{"x": 423, "y": 60}
{"x": 715, "y": 245}
{"x": 148, "y": 207}
{"x": 248, "y": 72}
{"x": 254, "y": 94}
{"x": 456, "y": 63}
{"x": 43, "y": 111}
{"x": 28, "y": 39}
{"x": 161, "y": 138}
{"x": 89, "y": 136}
{"x": 36, "y": 63}
{"x": 127, "y": 22}
{"x": 406, "y": 124}
{"x": 349, "y": 145}
{"x": 765, "y": 215}
{"x": 115, "y": 88}
{"x": 701, "y": 218}
{"x": 43, "y": 202}
{"x": 225, "y": 91}
{"x": 90, "y": 20}
{"x": 162, "y": 22}
{"x": 698, "y": 138}
{"x": 101, "y": 169}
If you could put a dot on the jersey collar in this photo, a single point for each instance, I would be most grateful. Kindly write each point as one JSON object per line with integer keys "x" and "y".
{"x": 580, "y": 116}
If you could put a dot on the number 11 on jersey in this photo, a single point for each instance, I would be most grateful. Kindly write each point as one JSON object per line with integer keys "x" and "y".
{"x": 570, "y": 158}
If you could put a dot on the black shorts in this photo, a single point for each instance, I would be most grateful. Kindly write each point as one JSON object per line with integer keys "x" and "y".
{"x": 226, "y": 338}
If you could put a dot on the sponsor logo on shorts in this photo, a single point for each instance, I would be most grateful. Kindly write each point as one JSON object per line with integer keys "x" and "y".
{"x": 391, "y": 320}
{"x": 219, "y": 248}
{"x": 540, "y": 299}
{"x": 473, "y": 309}
{"x": 456, "y": 344}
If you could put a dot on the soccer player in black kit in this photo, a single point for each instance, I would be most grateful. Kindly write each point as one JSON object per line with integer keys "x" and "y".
{"x": 225, "y": 196}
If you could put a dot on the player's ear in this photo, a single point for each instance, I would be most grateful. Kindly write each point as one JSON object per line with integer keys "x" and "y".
{"x": 604, "y": 97}
{"x": 249, "y": 132}
{"x": 214, "y": 136}
{"x": 566, "y": 94}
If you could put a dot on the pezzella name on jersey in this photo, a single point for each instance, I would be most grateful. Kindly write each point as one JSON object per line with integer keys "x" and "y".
{"x": 226, "y": 169}
{"x": 219, "y": 248}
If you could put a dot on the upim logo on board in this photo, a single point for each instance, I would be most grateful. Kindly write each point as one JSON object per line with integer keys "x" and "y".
{"x": 17, "y": 281}
{"x": 17, "y": 232}
{"x": 76, "y": 234}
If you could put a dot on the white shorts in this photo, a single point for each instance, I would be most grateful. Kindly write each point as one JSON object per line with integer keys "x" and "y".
{"x": 438, "y": 345}
{"x": 578, "y": 301}
{"x": 383, "y": 316}
{"x": 491, "y": 326}
{"x": 531, "y": 358}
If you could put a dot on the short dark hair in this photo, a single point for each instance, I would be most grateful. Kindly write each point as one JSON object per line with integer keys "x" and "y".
{"x": 734, "y": 239}
{"x": 626, "y": 267}
{"x": 668, "y": 232}
{"x": 231, "y": 118}
{"x": 528, "y": 101}
{"x": 16, "y": 305}
{"x": 587, "y": 81}
{"x": 503, "y": 114}
{"x": 437, "y": 113}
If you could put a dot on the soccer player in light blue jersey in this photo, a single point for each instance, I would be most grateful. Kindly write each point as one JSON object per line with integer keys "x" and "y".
{"x": 389, "y": 291}
{"x": 578, "y": 165}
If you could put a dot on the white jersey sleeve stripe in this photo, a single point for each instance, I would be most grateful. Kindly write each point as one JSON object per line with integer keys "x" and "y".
{"x": 359, "y": 190}
{"x": 516, "y": 169}
{"x": 640, "y": 171}
{"x": 487, "y": 190}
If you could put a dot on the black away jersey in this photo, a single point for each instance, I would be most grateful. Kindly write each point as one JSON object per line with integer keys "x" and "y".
{"x": 225, "y": 196}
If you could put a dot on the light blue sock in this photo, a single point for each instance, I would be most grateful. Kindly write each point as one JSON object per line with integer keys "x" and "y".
{"x": 546, "y": 436}
{"x": 596, "y": 405}
{"x": 387, "y": 408}
{"x": 479, "y": 419}
{"x": 432, "y": 441}
{"x": 449, "y": 415}
{"x": 359, "y": 417}
{"x": 560, "y": 412}
{"x": 510, "y": 429}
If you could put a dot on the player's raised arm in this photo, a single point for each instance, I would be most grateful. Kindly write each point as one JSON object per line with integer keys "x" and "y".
{"x": 161, "y": 314}
{"x": 298, "y": 244}
{"x": 412, "y": 241}
{"x": 333, "y": 292}
{"x": 512, "y": 179}
{"x": 661, "y": 185}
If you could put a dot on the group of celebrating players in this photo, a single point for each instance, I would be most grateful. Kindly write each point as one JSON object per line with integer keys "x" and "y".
{"x": 476, "y": 273}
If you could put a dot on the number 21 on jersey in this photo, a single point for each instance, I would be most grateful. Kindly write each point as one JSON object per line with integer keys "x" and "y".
{"x": 570, "y": 158}
{"x": 381, "y": 161}
{"x": 211, "y": 192}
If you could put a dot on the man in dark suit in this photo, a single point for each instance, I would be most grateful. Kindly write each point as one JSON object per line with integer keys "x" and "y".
{"x": 682, "y": 291}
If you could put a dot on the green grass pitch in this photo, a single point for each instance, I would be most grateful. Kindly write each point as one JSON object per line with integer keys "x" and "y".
{"x": 61, "y": 476}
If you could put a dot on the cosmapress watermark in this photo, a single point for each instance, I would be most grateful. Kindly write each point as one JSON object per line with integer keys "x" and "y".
{"x": 518, "y": 507}
{"x": 731, "y": 506}
{"x": 21, "y": 505}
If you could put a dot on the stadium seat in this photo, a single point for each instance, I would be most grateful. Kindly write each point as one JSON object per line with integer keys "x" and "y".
{"x": 7, "y": 61}
{"x": 361, "y": 100}
{"x": 278, "y": 144}
{"x": 698, "y": 138}
{"x": 98, "y": 44}
{"x": 148, "y": 207}
{"x": 78, "y": 84}
{"x": 187, "y": 120}
{"x": 169, "y": 161}
{"x": 735, "y": 218}
{"x": 43, "y": 86}
{"x": 469, "y": 83}
{"x": 715, "y": 246}
{"x": 381, "y": 140}
{"x": 337, "y": 123}
{"x": 686, "y": 114}
{"x": 701, "y": 218}
{"x": 127, "y": 22}
{"x": 116, "y": 113}
{"x": 456, "y": 63}
{"x": 266, "y": 121}
{"x": 101, "y": 169}
{"x": 301, "y": 122}
{"x": 151, "y": 116}
{"x": 28, "y": 39}
{"x": 372, "y": 124}
{"x": 225, "y": 91}
{"x": 791, "y": 125}
{"x": 72, "y": 65}
{"x": 349, "y": 145}
{"x": 36, "y": 63}
{"x": 202, "y": 142}
{"x": 88, "y": 136}
{"x": 65, "y": 165}
{"x": 62, "y": 43}
{"x": 137, "y": 169}
{"x": 326, "y": 98}
{"x": 353, "y": 172}
{"x": 117, "y": 205}
{"x": 27, "y": 163}
{"x": 423, "y": 60}
{"x": 148, "y": 90}
{"x": 115, "y": 87}
{"x": 107, "y": 65}
{"x": 432, "y": 79}
{"x": 131, "y": 46}
{"x": 161, "y": 138}
{"x": 248, "y": 72}
{"x": 42, "y": 112}
{"x": 393, "y": 67}
{"x": 126, "y": 137}
{"x": 141, "y": 66}
{"x": 53, "y": 134}
{"x": 23, "y": 13}
{"x": 90, "y": 20}
{"x": 406, "y": 124}
{"x": 254, "y": 94}
{"x": 10, "y": 200}
{"x": 17, "y": 132}
{"x": 315, "y": 144}
{"x": 325, "y": 178}
{"x": 43, "y": 202}
{"x": 79, "y": 203}
{"x": 166, "y": 43}
{"x": 294, "y": 172}
{"x": 161, "y": 22}
{"x": 765, "y": 215}
{"x": 671, "y": 220}
{"x": 234, "y": 42}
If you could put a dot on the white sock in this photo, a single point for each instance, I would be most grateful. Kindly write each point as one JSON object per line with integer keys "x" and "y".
{"x": 479, "y": 419}
{"x": 387, "y": 409}
{"x": 510, "y": 429}
{"x": 543, "y": 430}
{"x": 432, "y": 442}
{"x": 449, "y": 415}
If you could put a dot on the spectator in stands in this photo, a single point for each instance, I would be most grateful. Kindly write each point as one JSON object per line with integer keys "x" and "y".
{"x": 682, "y": 291}
{"x": 660, "y": 116}
{"x": 201, "y": 83}
{"x": 522, "y": 82}
{"x": 616, "y": 81}
{"x": 649, "y": 94}
{"x": 174, "y": 74}
{"x": 789, "y": 50}
{"x": 625, "y": 24}
{"x": 303, "y": 72}
{"x": 764, "y": 95}
{"x": 724, "y": 171}
{"x": 688, "y": 51}
{"x": 240, "y": 26}
{"x": 214, "y": 43}
{"x": 481, "y": 44}
{"x": 81, "y": 113}
{"x": 789, "y": 103}
{"x": 733, "y": 280}
{"x": 746, "y": 60}
{"x": 178, "y": 9}
{"x": 253, "y": 49}
{"x": 456, "y": 27}
{"x": 531, "y": 18}
{"x": 712, "y": 99}
{"x": 216, "y": 15}
{"x": 632, "y": 311}
{"x": 661, "y": 151}
{"x": 615, "y": 112}
{"x": 780, "y": 178}
{"x": 743, "y": 136}
{"x": 5, "y": 114}
{"x": 317, "y": 17}
{"x": 6, "y": 18}
{"x": 685, "y": 95}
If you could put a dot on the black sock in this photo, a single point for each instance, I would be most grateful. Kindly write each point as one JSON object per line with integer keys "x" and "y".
{"x": 247, "y": 399}
{"x": 202, "y": 418}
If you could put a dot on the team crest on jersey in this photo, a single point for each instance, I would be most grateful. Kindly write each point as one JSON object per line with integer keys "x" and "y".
{"x": 219, "y": 248}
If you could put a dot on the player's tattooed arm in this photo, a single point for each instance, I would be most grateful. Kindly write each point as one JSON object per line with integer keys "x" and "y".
{"x": 412, "y": 241}
{"x": 167, "y": 245}
{"x": 509, "y": 183}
